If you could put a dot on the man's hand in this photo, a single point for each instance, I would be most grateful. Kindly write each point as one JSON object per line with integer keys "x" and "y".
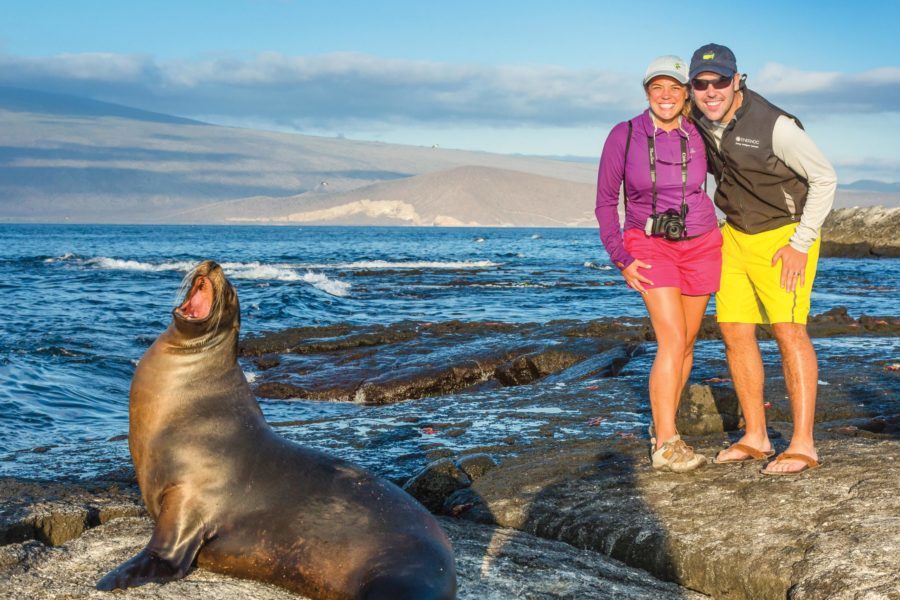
{"x": 635, "y": 279}
{"x": 793, "y": 267}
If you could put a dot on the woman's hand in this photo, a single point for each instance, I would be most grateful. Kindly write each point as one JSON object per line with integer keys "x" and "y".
{"x": 634, "y": 279}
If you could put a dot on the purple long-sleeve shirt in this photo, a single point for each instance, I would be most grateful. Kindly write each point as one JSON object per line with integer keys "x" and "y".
{"x": 701, "y": 216}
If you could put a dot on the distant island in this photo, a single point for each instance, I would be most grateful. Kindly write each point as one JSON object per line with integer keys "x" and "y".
{"x": 78, "y": 160}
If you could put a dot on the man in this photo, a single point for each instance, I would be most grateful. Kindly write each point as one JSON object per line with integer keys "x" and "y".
{"x": 775, "y": 188}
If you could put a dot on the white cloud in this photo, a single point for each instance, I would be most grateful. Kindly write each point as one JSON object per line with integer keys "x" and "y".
{"x": 830, "y": 92}
{"x": 883, "y": 76}
{"x": 776, "y": 78}
{"x": 98, "y": 67}
{"x": 348, "y": 90}
{"x": 335, "y": 88}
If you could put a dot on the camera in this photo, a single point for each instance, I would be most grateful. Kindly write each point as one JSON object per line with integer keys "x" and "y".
{"x": 669, "y": 224}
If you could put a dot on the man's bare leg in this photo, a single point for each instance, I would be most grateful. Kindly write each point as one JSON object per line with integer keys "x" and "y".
{"x": 746, "y": 367}
{"x": 801, "y": 377}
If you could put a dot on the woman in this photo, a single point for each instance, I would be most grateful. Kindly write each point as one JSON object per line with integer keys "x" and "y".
{"x": 670, "y": 251}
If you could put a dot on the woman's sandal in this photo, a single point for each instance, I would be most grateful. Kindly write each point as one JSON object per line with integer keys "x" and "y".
{"x": 753, "y": 454}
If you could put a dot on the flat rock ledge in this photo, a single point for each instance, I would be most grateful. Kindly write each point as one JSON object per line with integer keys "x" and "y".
{"x": 726, "y": 530}
{"x": 579, "y": 519}
{"x": 492, "y": 563}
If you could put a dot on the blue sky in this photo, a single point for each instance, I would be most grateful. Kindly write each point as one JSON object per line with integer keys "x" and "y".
{"x": 527, "y": 77}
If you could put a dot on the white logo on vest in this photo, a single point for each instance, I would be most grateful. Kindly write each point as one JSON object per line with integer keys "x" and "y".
{"x": 746, "y": 142}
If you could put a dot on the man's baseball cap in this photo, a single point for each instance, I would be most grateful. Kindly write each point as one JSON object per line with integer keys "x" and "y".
{"x": 670, "y": 66}
{"x": 714, "y": 58}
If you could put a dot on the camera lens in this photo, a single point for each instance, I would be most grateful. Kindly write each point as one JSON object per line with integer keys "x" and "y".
{"x": 674, "y": 229}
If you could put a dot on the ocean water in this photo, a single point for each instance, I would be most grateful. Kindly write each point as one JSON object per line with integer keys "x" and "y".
{"x": 82, "y": 303}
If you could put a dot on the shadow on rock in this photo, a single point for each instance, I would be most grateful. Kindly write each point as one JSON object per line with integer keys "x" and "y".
{"x": 549, "y": 488}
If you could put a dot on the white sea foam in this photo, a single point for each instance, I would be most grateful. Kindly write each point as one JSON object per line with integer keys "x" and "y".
{"x": 117, "y": 264}
{"x": 62, "y": 258}
{"x": 281, "y": 271}
{"x": 384, "y": 264}
{"x": 335, "y": 287}
{"x": 260, "y": 271}
{"x": 591, "y": 265}
{"x": 256, "y": 270}
{"x": 513, "y": 284}
{"x": 234, "y": 270}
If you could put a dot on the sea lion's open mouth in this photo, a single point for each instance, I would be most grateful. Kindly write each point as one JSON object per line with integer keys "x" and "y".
{"x": 198, "y": 303}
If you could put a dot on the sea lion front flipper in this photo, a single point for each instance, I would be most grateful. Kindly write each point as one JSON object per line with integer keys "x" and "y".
{"x": 170, "y": 553}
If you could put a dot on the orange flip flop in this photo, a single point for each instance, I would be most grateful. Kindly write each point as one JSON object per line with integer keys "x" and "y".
{"x": 753, "y": 454}
{"x": 809, "y": 463}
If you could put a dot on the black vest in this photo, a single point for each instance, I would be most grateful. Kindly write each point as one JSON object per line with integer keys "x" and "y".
{"x": 754, "y": 188}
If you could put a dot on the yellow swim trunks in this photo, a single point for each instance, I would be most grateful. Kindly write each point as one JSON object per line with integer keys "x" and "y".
{"x": 750, "y": 290}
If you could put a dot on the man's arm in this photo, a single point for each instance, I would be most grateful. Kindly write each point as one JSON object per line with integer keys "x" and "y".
{"x": 794, "y": 147}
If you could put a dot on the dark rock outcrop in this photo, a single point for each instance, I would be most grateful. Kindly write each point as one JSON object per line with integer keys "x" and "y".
{"x": 476, "y": 466}
{"x": 435, "y": 482}
{"x": 407, "y": 361}
{"x": 704, "y": 410}
{"x": 530, "y": 368}
{"x": 872, "y": 232}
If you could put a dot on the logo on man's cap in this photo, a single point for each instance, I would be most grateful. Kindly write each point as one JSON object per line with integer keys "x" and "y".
{"x": 715, "y": 58}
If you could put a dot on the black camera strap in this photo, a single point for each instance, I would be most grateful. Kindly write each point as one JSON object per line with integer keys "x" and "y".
{"x": 625, "y": 166}
{"x": 651, "y": 149}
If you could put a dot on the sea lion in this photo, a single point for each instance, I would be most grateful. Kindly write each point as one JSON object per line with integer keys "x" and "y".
{"x": 225, "y": 490}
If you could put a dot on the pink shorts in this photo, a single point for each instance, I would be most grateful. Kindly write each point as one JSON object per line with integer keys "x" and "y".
{"x": 693, "y": 265}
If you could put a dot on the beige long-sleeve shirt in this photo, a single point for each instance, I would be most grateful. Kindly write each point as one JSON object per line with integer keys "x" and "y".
{"x": 793, "y": 146}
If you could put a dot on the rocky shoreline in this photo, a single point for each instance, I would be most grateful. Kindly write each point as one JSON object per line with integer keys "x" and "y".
{"x": 571, "y": 520}
{"x": 382, "y": 364}
{"x": 568, "y": 508}
{"x": 492, "y": 562}
{"x": 871, "y": 232}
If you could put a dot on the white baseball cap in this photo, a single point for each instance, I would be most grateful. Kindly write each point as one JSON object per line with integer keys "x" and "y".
{"x": 670, "y": 66}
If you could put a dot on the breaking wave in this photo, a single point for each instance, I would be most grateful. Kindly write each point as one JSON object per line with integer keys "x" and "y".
{"x": 234, "y": 270}
{"x": 592, "y": 265}
{"x": 384, "y": 264}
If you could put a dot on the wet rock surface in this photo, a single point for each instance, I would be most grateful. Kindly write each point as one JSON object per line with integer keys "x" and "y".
{"x": 435, "y": 482}
{"x": 388, "y": 364}
{"x": 383, "y": 365}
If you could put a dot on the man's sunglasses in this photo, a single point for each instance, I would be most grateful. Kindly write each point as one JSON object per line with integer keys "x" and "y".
{"x": 720, "y": 84}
